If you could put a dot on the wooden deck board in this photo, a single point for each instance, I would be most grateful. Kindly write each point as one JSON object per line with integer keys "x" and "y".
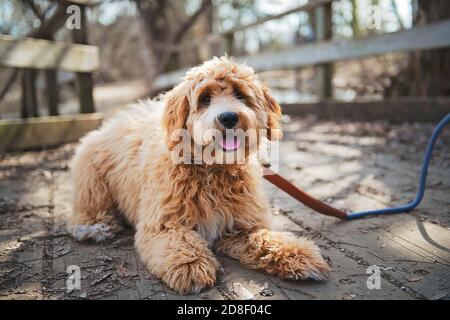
{"x": 352, "y": 165}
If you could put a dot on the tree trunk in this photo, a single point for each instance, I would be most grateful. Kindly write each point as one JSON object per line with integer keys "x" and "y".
{"x": 355, "y": 18}
{"x": 427, "y": 71}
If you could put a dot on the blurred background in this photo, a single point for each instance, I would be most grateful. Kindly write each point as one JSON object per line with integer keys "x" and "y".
{"x": 363, "y": 59}
{"x": 139, "y": 40}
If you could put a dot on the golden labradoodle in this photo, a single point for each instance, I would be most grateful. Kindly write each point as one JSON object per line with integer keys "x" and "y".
{"x": 181, "y": 210}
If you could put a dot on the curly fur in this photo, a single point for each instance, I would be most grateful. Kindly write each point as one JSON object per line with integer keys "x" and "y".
{"x": 181, "y": 210}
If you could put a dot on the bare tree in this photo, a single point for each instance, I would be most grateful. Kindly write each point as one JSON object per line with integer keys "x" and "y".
{"x": 162, "y": 29}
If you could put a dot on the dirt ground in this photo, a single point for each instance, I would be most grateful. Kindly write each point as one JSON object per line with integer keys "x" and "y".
{"x": 356, "y": 166}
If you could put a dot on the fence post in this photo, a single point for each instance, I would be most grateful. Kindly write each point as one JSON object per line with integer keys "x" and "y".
{"x": 323, "y": 30}
{"x": 29, "y": 96}
{"x": 229, "y": 43}
{"x": 52, "y": 92}
{"x": 84, "y": 79}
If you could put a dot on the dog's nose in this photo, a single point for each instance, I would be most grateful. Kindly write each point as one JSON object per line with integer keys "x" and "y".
{"x": 229, "y": 119}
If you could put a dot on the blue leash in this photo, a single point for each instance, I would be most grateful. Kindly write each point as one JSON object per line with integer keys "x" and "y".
{"x": 422, "y": 182}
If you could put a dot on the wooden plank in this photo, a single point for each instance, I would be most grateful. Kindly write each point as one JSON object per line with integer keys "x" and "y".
{"x": 426, "y": 37}
{"x": 44, "y": 54}
{"x": 324, "y": 30}
{"x": 24, "y": 216}
{"x": 52, "y": 92}
{"x": 411, "y": 251}
{"x": 32, "y": 133}
{"x": 29, "y": 94}
{"x": 399, "y": 110}
{"x": 347, "y": 279}
{"x": 230, "y": 48}
{"x": 85, "y": 92}
{"x": 305, "y": 7}
{"x": 412, "y": 254}
{"x": 84, "y": 80}
{"x": 431, "y": 36}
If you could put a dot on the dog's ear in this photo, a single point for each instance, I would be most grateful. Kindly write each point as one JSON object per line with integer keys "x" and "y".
{"x": 273, "y": 110}
{"x": 176, "y": 112}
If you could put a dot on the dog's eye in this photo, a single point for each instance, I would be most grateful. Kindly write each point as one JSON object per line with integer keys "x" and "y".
{"x": 238, "y": 95}
{"x": 205, "y": 99}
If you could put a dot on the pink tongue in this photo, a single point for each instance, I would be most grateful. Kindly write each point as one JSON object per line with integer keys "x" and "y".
{"x": 231, "y": 143}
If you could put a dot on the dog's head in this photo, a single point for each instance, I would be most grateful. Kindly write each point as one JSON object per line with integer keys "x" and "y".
{"x": 216, "y": 100}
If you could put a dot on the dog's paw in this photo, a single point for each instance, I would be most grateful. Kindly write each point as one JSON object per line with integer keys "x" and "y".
{"x": 294, "y": 258}
{"x": 192, "y": 277}
{"x": 297, "y": 262}
{"x": 97, "y": 232}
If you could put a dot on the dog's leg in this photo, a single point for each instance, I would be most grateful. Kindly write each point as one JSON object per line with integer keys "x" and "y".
{"x": 93, "y": 212}
{"x": 278, "y": 253}
{"x": 180, "y": 257}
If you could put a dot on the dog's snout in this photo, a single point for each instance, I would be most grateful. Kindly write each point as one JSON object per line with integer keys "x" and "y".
{"x": 229, "y": 119}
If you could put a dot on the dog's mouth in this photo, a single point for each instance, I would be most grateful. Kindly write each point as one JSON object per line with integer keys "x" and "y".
{"x": 230, "y": 144}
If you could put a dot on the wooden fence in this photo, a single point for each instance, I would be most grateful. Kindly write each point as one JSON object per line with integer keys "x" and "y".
{"x": 31, "y": 55}
{"x": 324, "y": 51}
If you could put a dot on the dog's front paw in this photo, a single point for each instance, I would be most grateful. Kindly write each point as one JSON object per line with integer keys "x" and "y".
{"x": 289, "y": 257}
{"x": 193, "y": 276}
{"x": 97, "y": 232}
{"x": 298, "y": 263}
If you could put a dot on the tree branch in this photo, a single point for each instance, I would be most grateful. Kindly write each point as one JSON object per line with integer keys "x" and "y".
{"x": 37, "y": 12}
{"x": 192, "y": 19}
{"x": 50, "y": 26}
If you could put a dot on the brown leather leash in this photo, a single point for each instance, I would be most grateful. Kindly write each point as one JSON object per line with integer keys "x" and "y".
{"x": 301, "y": 195}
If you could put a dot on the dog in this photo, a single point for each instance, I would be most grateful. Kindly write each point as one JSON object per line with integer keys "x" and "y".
{"x": 182, "y": 212}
